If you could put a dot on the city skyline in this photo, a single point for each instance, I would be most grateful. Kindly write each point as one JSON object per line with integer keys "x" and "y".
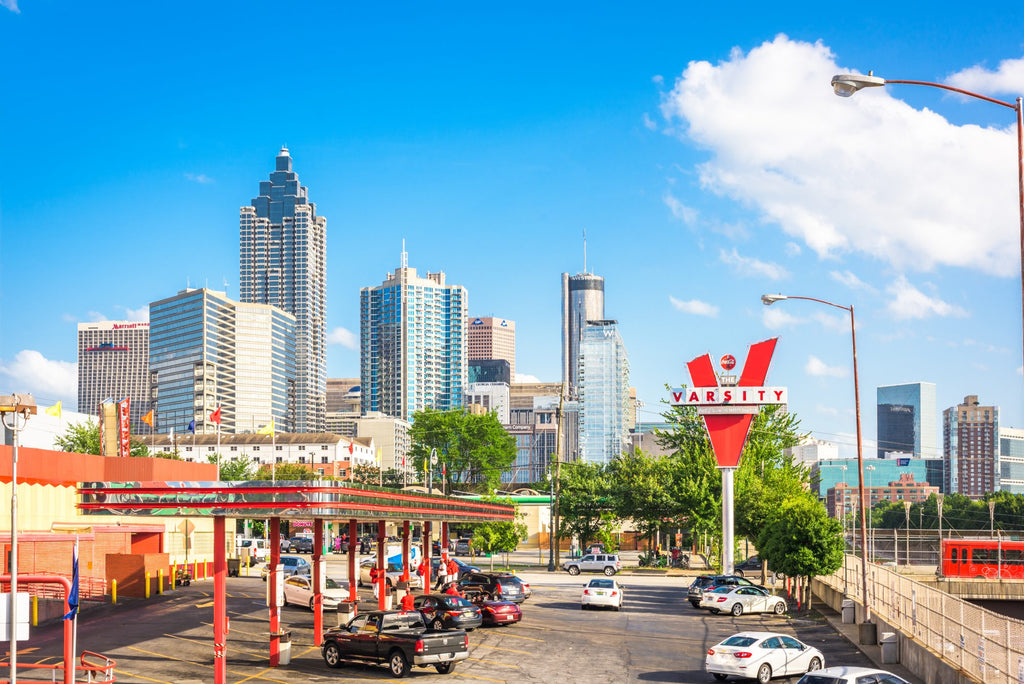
{"x": 707, "y": 167}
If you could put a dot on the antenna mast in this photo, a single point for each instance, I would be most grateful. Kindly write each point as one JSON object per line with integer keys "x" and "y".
{"x": 584, "y": 250}
{"x": 405, "y": 257}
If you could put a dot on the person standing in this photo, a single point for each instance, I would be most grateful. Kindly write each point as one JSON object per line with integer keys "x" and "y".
{"x": 375, "y": 579}
{"x": 407, "y": 602}
{"x": 453, "y": 570}
{"x": 442, "y": 574}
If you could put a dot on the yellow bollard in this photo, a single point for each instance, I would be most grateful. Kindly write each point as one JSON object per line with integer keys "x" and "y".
{"x": 174, "y": 575}
{"x": 147, "y": 584}
{"x": 113, "y": 591}
{"x": 35, "y": 611}
{"x": 160, "y": 581}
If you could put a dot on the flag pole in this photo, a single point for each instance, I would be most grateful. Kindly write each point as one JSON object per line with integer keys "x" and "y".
{"x": 74, "y": 625}
{"x": 218, "y": 448}
{"x": 273, "y": 455}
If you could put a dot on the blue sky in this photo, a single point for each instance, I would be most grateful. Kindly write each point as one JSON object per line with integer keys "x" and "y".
{"x": 702, "y": 150}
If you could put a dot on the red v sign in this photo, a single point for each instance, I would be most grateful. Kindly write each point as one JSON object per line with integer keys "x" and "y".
{"x": 728, "y": 432}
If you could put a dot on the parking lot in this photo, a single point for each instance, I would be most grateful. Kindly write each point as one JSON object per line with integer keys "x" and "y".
{"x": 657, "y": 637}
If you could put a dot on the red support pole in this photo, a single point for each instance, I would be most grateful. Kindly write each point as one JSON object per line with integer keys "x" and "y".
{"x": 427, "y": 550}
{"x": 353, "y": 549}
{"x": 274, "y": 539}
{"x": 69, "y": 655}
{"x": 220, "y": 603}
{"x": 405, "y": 551}
{"x": 444, "y": 542}
{"x": 382, "y": 565}
{"x": 318, "y": 598}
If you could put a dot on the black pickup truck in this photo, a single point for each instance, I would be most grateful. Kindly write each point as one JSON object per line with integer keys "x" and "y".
{"x": 397, "y": 638}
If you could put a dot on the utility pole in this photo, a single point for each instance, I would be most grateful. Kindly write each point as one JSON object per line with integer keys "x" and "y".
{"x": 556, "y": 517}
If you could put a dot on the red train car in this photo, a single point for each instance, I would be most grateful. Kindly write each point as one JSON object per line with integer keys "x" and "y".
{"x": 983, "y": 558}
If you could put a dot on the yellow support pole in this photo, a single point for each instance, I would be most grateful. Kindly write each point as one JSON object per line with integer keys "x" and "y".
{"x": 160, "y": 581}
{"x": 174, "y": 575}
{"x": 113, "y": 591}
{"x": 147, "y": 584}
{"x": 35, "y": 611}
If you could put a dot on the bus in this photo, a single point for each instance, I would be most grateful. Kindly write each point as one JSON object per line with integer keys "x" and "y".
{"x": 983, "y": 558}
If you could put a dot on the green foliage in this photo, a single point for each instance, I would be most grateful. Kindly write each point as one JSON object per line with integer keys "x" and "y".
{"x": 586, "y": 502}
{"x": 643, "y": 492}
{"x": 474, "y": 448}
{"x": 284, "y": 472}
{"x": 235, "y": 469}
{"x": 84, "y": 438}
{"x": 959, "y": 513}
{"x": 499, "y": 536}
{"x": 372, "y": 475}
{"x": 800, "y": 539}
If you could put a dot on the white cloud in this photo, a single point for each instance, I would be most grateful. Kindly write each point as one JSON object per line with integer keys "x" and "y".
{"x": 682, "y": 212}
{"x": 908, "y": 302}
{"x": 844, "y": 174}
{"x": 792, "y": 249}
{"x": 200, "y": 178}
{"x": 694, "y": 306}
{"x": 752, "y": 266}
{"x": 836, "y": 322}
{"x": 48, "y": 380}
{"x": 850, "y": 280}
{"x": 649, "y": 123}
{"x": 11, "y": 5}
{"x": 827, "y": 410}
{"x": 344, "y": 337}
{"x": 140, "y": 314}
{"x": 1005, "y": 79}
{"x": 524, "y": 378}
{"x": 96, "y": 316}
{"x": 817, "y": 367}
{"x": 658, "y": 79}
{"x": 775, "y": 318}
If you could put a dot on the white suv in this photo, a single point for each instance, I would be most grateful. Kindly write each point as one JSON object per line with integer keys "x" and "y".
{"x": 608, "y": 563}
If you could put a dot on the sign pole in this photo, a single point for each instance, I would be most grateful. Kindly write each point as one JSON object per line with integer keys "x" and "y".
{"x": 728, "y": 520}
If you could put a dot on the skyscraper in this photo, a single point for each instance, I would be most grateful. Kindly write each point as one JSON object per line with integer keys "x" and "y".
{"x": 113, "y": 363}
{"x": 970, "y": 437}
{"x": 582, "y": 301}
{"x": 603, "y": 389}
{"x": 412, "y": 343}
{"x": 282, "y": 261}
{"x": 207, "y": 351}
{"x": 906, "y": 420}
{"x": 492, "y": 338}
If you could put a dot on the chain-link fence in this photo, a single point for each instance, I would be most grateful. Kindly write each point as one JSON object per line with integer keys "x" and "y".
{"x": 986, "y": 645}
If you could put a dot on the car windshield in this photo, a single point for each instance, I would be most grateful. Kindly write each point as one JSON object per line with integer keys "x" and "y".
{"x": 721, "y": 590}
{"x": 820, "y": 679}
{"x": 456, "y": 602}
{"x": 331, "y": 584}
{"x": 603, "y": 583}
{"x": 741, "y": 641}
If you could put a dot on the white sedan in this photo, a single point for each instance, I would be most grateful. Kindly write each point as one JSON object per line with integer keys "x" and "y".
{"x": 602, "y": 592}
{"x": 739, "y": 599}
{"x": 393, "y": 577}
{"x": 761, "y": 656}
{"x": 298, "y": 591}
{"x": 851, "y": 675}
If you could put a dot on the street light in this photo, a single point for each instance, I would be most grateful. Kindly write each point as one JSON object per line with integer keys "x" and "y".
{"x": 871, "y": 506}
{"x": 551, "y": 523}
{"x": 770, "y": 299}
{"x": 17, "y": 406}
{"x": 846, "y": 85}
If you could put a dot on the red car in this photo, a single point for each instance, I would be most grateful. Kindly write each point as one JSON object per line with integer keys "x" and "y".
{"x": 497, "y": 613}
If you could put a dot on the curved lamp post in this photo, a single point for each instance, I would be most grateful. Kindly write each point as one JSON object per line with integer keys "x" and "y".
{"x": 770, "y": 299}
{"x": 846, "y": 85}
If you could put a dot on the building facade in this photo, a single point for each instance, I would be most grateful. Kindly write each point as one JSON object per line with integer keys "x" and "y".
{"x": 412, "y": 344}
{"x": 491, "y": 397}
{"x": 391, "y": 436}
{"x": 533, "y": 421}
{"x": 1011, "y": 460}
{"x": 207, "y": 351}
{"x": 492, "y": 338}
{"x": 282, "y": 262}
{"x": 343, "y": 406}
{"x": 810, "y": 451}
{"x": 489, "y": 370}
{"x": 970, "y": 439}
{"x": 842, "y": 499}
{"x": 582, "y": 301}
{"x": 603, "y": 391}
{"x": 113, "y": 363}
{"x": 906, "y": 419}
{"x": 828, "y": 473}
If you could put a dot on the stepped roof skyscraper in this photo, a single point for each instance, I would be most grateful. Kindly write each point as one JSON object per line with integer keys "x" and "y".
{"x": 283, "y": 262}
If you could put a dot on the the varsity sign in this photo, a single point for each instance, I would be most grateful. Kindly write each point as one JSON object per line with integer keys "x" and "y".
{"x": 718, "y": 396}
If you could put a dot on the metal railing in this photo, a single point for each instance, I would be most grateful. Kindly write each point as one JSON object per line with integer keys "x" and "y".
{"x": 984, "y": 644}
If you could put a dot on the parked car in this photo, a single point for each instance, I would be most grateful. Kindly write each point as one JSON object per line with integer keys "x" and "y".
{"x": 394, "y": 574}
{"x": 298, "y": 591}
{"x": 290, "y": 565}
{"x": 442, "y": 611}
{"x": 501, "y": 586}
{"x": 608, "y": 563}
{"x": 702, "y": 583}
{"x": 463, "y": 547}
{"x": 297, "y": 545}
{"x": 850, "y": 675}
{"x": 739, "y": 600}
{"x": 398, "y": 638}
{"x": 761, "y": 656}
{"x": 464, "y": 568}
{"x": 752, "y": 565}
{"x": 602, "y": 593}
{"x": 254, "y": 549}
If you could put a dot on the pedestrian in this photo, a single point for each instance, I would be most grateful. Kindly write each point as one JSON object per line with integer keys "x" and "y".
{"x": 442, "y": 574}
{"x": 453, "y": 570}
{"x": 407, "y": 602}
{"x": 421, "y": 569}
{"x": 374, "y": 577}
{"x": 453, "y": 590}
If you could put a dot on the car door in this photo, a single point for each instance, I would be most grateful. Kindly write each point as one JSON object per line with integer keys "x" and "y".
{"x": 774, "y": 655}
{"x": 427, "y": 606}
{"x": 587, "y": 562}
{"x": 295, "y": 590}
{"x": 798, "y": 657}
{"x": 755, "y": 600}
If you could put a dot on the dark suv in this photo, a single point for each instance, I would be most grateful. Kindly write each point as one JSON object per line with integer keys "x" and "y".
{"x": 500, "y": 586}
{"x": 299, "y": 545}
{"x": 704, "y": 583}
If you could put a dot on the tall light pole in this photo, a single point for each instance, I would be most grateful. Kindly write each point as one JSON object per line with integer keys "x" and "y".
{"x": 846, "y": 85}
{"x": 871, "y": 506}
{"x": 16, "y": 407}
{"x": 770, "y": 299}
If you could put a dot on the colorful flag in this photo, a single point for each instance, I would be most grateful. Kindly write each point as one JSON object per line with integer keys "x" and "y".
{"x": 192, "y": 426}
{"x": 148, "y": 418}
{"x": 73, "y": 594}
{"x": 215, "y": 416}
{"x": 124, "y": 428}
{"x": 267, "y": 429}
{"x": 54, "y": 410}
{"x": 351, "y": 447}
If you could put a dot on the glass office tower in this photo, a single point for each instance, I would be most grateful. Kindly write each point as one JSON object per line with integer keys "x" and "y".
{"x": 603, "y": 389}
{"x": 907, "y": 420}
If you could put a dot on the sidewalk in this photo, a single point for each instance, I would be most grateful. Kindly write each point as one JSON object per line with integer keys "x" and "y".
{"x": 852, "y": 634}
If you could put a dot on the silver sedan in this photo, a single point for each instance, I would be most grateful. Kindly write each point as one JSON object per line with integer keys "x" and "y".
{"x": 762, "y": 655}
{"x": 739, "y": 600}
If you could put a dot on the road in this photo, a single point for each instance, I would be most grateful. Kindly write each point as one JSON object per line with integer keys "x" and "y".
{"x": 657, "y": 637}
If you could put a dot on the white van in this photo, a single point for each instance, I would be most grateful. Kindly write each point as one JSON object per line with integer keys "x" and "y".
{"x": 254, "y": 549}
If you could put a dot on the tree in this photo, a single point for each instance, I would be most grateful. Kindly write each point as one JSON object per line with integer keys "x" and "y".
{"x": 284, "y": 472}
{"x": 84, "y": 438}
{"x": 642, "y": 491}
{"x": 475, "y": 449}
{"x": 500, "y": 536}
{"x": 586, "y": 505}
{"x": 235, "y": 469}
{"x": 372, "y": 475}
{"x": 800, "y": 540}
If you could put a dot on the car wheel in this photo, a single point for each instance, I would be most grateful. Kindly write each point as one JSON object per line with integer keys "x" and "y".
{"x": 583, "y": 606}
{"x": 764, "y": 673}
{"x": 311, "y": 604}
{"x": 738, "y": 573}
{"x": 399, "y": 666}
{"x": 737, "y": 609}
{"x": 780, "y": 607}
{"x": 437, "y": 624}
{"x": 719, "y": 676}
{"x": 695, "y": 604}
{"x": 574, "y": 570}
{"x": 332, "y": 655}
{"x": 284, "y": 601}
{"x": 815, "y": 664}
{"x": 609, "y": 571}
{"x": 714, "y": 611}
{"x": 444, "y": 668}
